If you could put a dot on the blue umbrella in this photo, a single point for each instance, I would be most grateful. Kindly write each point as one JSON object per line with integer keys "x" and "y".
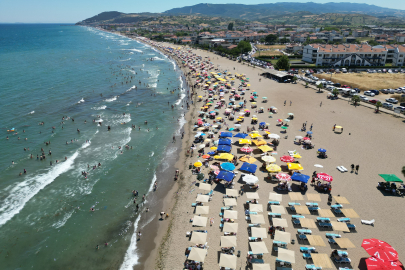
{"x": 322, "y": 150}
{"x": 226, "y": 134}
{"x": 241, "y": 135}
{"x": 262, "y": 123}
{"x": 241, "y": 103}
{"x": 309, "y": 132}
{"x": 224, "y": 142}
{"x": 225, "y": 175}
{"x": 211, "y": 153}
{"x": 248, "y": 167}
{"x": 300, "y": 177}
{"x": 231, "y": 129}
{"x": 224, "y": 148}
{"x": 228, "y": 166}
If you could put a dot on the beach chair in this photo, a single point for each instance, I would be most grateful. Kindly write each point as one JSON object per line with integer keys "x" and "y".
{"x": 311, "y": 204}
{"x": 292, "y": 208}
{"x": 210, "y": 193}
{"x": 313, "y": 209}
{"x": 325, "y": 225}
{"x": 221, "y": 225}
{"x": 252, "y": 213}
{"x": 302, "y": 237}
{"x": 297, "y": 216}
{"x": 307, "y": 249}
{"x": 252, "y": 239}
{"x": 340, "y": 169}
{"x": 344, "y": 219}
{"x": 228, "y": 233}
{"x": 257, "y": 254}
{"x": 293, "y": 203}
{"x": 306, "y": 256}
{"x": 254, "y": 225}
{"x": 282, "y": 263}
{"x": 351, "y": 226}
{"x": 274, "y": 215}
{"x": 304, "y": 231}
{"x": 368, "y": 222}
{"x": 279, "y": 244}
{"x": 331, "y": 241}
{"x": 337, "y": 211}
{"x": 333, "y": 235}
{"x": 226, "y": 208}
{"x": 256, "y": 260}
{"x": 342, "y": 260}
{"x": 312, "y": 267}
{"x": 336, "y": 206}
{"x": 296, "y": 222}
{"x": 247, "y": 218}
{"x": 342, "y": 253}
{"x": 322, "y": 219}
{"x": 345, "y": 268}
{"x": 274, "y": 203}
{"x": 344, "y": 169}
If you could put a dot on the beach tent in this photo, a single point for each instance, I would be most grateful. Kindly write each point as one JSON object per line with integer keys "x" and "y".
{"x": 258, "y": 247}
{"x": 227, "y": 261}
{"x": 224, "y": 142}
{"x": 249, "y": 179}
{"x": 200, "y": 221}
{"x": 197, "y": 254}
{"x": 224, "y": 148}
{"x": 300, "y": 177}
{"x": 241, "y": 135}
{"x": 225, "y": 175}
{"x": 228, "y": 241}
{"x": 248, "y": 167}
{"x": 199, "y": 238}
{"x": 391, "y": 178}
{"x": 248, "y": 159}
{"x": 259, "y": 232}
{"x": 226, "y": 134}
{"x": 286, "y": 255}
{"x": 230, "y": 227}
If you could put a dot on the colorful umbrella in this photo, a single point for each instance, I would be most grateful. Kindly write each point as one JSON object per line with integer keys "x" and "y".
{"x": 279, "y": 120}
{"x": 283, "y": 176}
{"x": 269, "y": 159}
{"x": 246, "y": 149}
{"x": 198, "y": 164}
{"x": 324, "y": 177}
{"x": 287, "y": 159}
{"x": 306, "y": 139}
{"x": 377, "y": 264}
{"x": 272, "y": 168}
{"x": 321, "y": 149}
{"x": 206, "y": 156}
{"x": 380, "y": 249}
{"x": 228, "y": 166}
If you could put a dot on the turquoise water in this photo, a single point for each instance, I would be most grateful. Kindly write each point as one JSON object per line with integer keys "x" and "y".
{"x": 48, "y": 72}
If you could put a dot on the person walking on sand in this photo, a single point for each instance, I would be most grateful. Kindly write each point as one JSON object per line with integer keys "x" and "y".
{"x": 139, "y": 235}
{"x": 352, "y": 166}
{"x": 334, "y": 127}
{"x": 320, "y": 105}
{"x": 357, "y": 169}
{"x": 311, "y": 127}
{"x": 290, "y": 102}
{"x": 285, "y": 101}
{"x": 174, "y": 139}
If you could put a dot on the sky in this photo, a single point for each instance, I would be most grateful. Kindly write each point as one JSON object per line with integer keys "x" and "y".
{"x": 72, "y": 11}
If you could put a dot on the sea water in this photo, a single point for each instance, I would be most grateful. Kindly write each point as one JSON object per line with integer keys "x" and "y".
{"x": 48, "y": 72}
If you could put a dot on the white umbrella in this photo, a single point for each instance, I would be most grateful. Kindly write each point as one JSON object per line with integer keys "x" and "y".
{"x": 274, "y": 136}
{"x": 250, "y": 179}
{"x": 299, "y": 137}
{"x": 318, "y": 165}
{"x": 201, "y": 146}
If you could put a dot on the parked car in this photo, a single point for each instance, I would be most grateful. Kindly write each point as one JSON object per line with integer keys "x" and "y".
{"x": 402, "y": 104}
{"x": 387, "y": 105}
{"x": 345, "y": 86}
{"x": 337, "y": 84}
{"x": 369, "y": 93}
{"x": 363, "y": 98}
{"x": 357, "y": 90}
{"x": 385, "y": 91}
{"x": 344, "y": 70}
{"x": 376, "y": 92}
{"x": 401, "y": 108}
{"x": 392, "y": 100}
{"x": 373, "y": 101}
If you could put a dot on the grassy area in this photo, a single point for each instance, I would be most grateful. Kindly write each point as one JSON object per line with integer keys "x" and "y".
{"x": 270, "y": 50}
{"x": 367, "y": 81}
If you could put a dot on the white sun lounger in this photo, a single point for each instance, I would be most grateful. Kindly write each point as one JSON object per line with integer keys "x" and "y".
{"x": 368, "y": 222}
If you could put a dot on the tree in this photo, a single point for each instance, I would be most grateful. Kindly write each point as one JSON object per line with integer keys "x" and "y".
{"x": 320, "y": 87}
{"x": 306, "y": 84}
{"x": 295, "y": 79}
{"x": 372, "y": 43}
{"x": 378, "y": 104}
{"x": 230, "y": 26}
{"x": 271, "y": 38}
{"x": 244, "y": 46}
{"x": 335, "y": 92}
{"x": 283, "y": 63}
{"x": 356, "y": 100}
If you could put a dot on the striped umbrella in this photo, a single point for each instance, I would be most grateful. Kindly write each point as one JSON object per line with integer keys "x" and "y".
{"x": 283, "y": 176}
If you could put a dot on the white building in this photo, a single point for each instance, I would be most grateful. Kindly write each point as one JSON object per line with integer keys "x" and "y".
{"x": 344, "y": 55}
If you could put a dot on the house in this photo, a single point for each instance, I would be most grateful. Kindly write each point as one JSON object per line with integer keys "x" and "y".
{"x": 360, "y": 33}
{"x": 400, "y": 38}
{"x": 344, "y": 55}
{"x": 294, "y": 48}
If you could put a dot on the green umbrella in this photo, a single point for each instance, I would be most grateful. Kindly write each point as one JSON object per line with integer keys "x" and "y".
{"x": 391, "y": 178}
{"x": 200, "y": 176}
{"x": 284, "y": 127}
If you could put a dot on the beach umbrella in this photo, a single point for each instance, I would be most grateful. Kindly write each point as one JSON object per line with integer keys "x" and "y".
{"x": 306, "y": 139}
{"x": 246, "y": 149}
{"x": 320, "y": 149}
{"x": 287, "y": 159}
{"x": 251, "y": 168}
{"x": 377, "y": 264}
{"x": 268, "y": 159}
{"x": 244, "y": 141}
{"x": 206, "y": 156}
{"x": 294, "y": 167}
{"x": 213, "y": 148}
{"x": 274, "y": 136}
{"x": 250, "y": 179}
{"x": 284, "y": 127}
{"x": 283, "y": 176}
{"x": 241, "y": 135}
{"x": 198, "y": 164}
{"x": 248, "y": 159}
{"x": 309, "y": 132}
{"x": 324, "y": 177}
{"x": 214, "y": 167}
{"x": 273, "y": 168}
{"x": 228, "y": 166}
{"x": 265, "y": 148}
{"x": 300, "y": 177}
{"x": 380, "y": 249}
{"x": 279, "y": 120}
{"x": 255, "y": 135}
{"x": 298, "y": 137}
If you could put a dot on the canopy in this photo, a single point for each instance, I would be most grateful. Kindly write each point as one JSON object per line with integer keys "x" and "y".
{"x": 286, "y": 255}
{"x": 295, "y": 166}
{"x": 231, "y": 214}
{"x": 294, "y": 196}
{"x": 224, "y": 156}
{"x": 316, "y": 240}
{"x": 301, "y": 209}
{"x": 224, "y": 148}
{"x": 230, "y": 227}
{"x": 230, "y": 202}
{"x": 321, "y": 260}
{"x": 228, "y": 166}
{"x": 340, "y": 226}
{"x": 244, "y": 141}
{"x": 252, "y": 195}
{"x": 256, "y": 207}
{"x": 202, "y": 210}
{"x": 300, "y": 177}
{"x": 250, "y": 179}
{"x": 202, "y": 198}
{"x": 283, "y": 176}
{"x": 275, "y": 197}
{"x": 204, "y": 186}
{"x": 377, "y": 264}
{"x": 225, "y": 175}
{"x": 313, "y": 197}
{"x": 350, "y": 213}
{"x": 380, "y": 249}
{"x": 257, "y": 219}
{"x": 391, "y": 178}
{"x": 228, "y": 241}
{"x": 282, "y": 236}
{"x": 272, "y": 168}
{"x": 199, "y": 238}
{"x": 280, "y": 222}
{"x": 248, "y": 167}
{"x": 232, "y": 192}
{"x": 265, "y": 148}
{"x": 278, "y": 209}
{"x": 341, "y": 200}
{"x": 259, "y": 266}
{"x": 259, "y": 232}
{"x": 200, "y": 221}
{"x": 226, "y": 134}
{"x": 241, "y": 135}
{"x": 258, "y": 247}
{"x": 268, "y": 159}
{"x": 307, "y": 223}
{"x": 227, "y": 261}
{"x": 344, "y": 243}
{"x": 197, "y": 254}
{"x": 224, "y": 142}
{"x": 327, "y": 213}
{"x": 248, "y": 159}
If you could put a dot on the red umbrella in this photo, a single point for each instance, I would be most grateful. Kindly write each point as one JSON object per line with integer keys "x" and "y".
{"x": 246, "y": 149}
{"x": 306, "y": 139}
{"x": 287, "y": 159}
{"x": 380, "y": 249}
{"x": 377, "y": 264}
{"x": 324, "y": 177}
{"x": 283, "y": 176}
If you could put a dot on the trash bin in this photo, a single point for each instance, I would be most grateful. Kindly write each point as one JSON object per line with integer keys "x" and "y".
{"x": 293, "y": 241}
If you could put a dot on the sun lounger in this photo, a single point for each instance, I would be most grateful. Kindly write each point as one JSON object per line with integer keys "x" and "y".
{"x": 302, "y": 237}
{"x": 281, "y": 262}
{"x": 343, "y": 168}
{"x": 336, "y": 206}
{"x": 351, "y": 226}
{"x": 342, "y": 253}
{"x": 337, "y": 211}
{"x": 257, "y": 254}
{"x": 221, "y": 225}
{"x": 346, "y": 219}
{"x": 312, "y": 267}
{"x": 296, "y": 222}
{"x": 252, "y": 239}
{"x": 274, "y": 215}
{"x": 252, "y": 213}
{"x": 228, "y": 233}
{"x": 293, "y": 203}
{"x": 304, "y": 231}
{"x": 306, "y": 256}
{"x": 254, "y": 225}
{"x": 255, "y": 260}
{"x": 322, "y": 219}
{"x": 325, "y": 224}
{"x": 342, "y": 260}
{"x": 331, "y": 241}
{"x": 307, "y": 249}
{"x": 313, "y": 209}
{"x": 333, "y": 235}
{"x": 226, "y": 208}
{"x": 274, "y": 203}
{"x": 210, "y": 193}
{"x": 247, "y": 202}
{"x": 340, "y": 168}
{"x": 279, "y": 244}
{"x": 368, "y": 222}
{"x": 345, "y": 268}
{"x": 297, "y": 216}
{"x": 292, "y": 208}
{"x": 311, "y": 204}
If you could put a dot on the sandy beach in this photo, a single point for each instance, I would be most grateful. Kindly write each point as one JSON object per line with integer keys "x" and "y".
{"x": 370, "y": 140}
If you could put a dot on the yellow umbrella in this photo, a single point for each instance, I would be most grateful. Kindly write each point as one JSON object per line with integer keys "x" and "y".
{"x": 248, "y": 159}
{"x": 241, "y": 116}
{"x": 295, "y": 166}
{"x": 200, "y": 96}
{"x": 273, "y": 168}
{"x": 297, "y": 156}
{"x": 259, "y": 142}
{"x": 255, "y": 135}
{"x": 255, "y": 131}
{"x": 219, "y": 118}
{"x": 224, "y": 156}
{"x": 197, "y": 164}
{"x": 248, "y": 85}
{"x": 253, "y": 103}
{"x": 265, "y": 148}
{"x": 254, "y": 118}
{"x": 213, "y": 148}
{"x": 244, "y": 141}
{"x": 267, "y": 132}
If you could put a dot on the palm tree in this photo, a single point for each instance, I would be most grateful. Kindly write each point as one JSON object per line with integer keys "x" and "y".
{"x": 335, "y": 92}
{"x": 320, "y": 87}
{"x": 378, "y": 105}
{"x": 356, "y": 99}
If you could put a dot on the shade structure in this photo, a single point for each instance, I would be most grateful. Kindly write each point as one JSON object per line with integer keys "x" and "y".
{"x": 265, "y": 148}
{"x": 327, "y": 213}
{"x": 278, "y": 209}
{"x": 258, "y": 247}
{"x": 283, "y": 176}
{"x": 259, "y": 142}
{"x": 252, "y": 195}
{"x": 255, "y": 135}
{"x": 316, "y": 240}
{"x": 273, "y": 168}
{"x": 197, "y": 164}
{"x": 246, "y": 149}
{"x": 224, "y": 142}
{"x": 302, "y": 209}
{"x": 247, "y": 167}
{"x": 230, "y": 227}
{"x": 377, "y": 264}
{"x": 268, "y": 159}
{"x": 299, "y": 177}
{"x": 204, "y": 186}
{"x": 294, "y": 167}
{"x": 257, "y": 219}
{"x": 224, "y": 148}
{"x": 241, "y": 135}
{"x": 200, "y": 221}
{"x": 341, "y": 200}
{"x": 313, "y": 197}
{"x": 307, "y": 223}
{"x": 324, "y": 177}
{"x": 199, "y": 238}
{"x": 230, "y": 202}
{"x": 255, "y": 207}
{"x": 275, "y": 197}
{"x": 344, "y": 243}
{"x": 294, "y": 196}
{"x": 340, "y": 226}
{"x": 322, "y": 150}
{"x": 282, "y": 236}
{"x": 228, "y": 166}
{"x": 264, "y": 266}
{"x": 225, "y": 134}
{"x": 391, "y": 178}
{"x": 224, "y": 156}
{"x": 286, "y": 255}
{"x": 202, "y": 210}
{"x": 321, "y": 260}
{"x": 225, "y": 175}
{"x": 202, "y": 198}
{"x": 248, "y": 159}
{"x": 244, "y": 141}
{"x": 197, "y": 254}
{"x": 232, "y": 192}
{"x": 231, "y": 214}
{"x": 274, "y": 136}
{"x": 380, "y": 249}
{"x": 259, "y": 232}
{"x": 250, "y": 179}
{"x": 350, "y": 213}
{"x": 228, "y": 241}
{"x": 280, "y": 222}
{"x": 287, "y": 159}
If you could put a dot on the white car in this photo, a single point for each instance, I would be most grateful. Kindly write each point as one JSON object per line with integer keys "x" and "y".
{"x": 363, "y": 98}
{"x": 387, "y": 105}
{"x": 392, "y": 100}
{"x": 369, "y": 93}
